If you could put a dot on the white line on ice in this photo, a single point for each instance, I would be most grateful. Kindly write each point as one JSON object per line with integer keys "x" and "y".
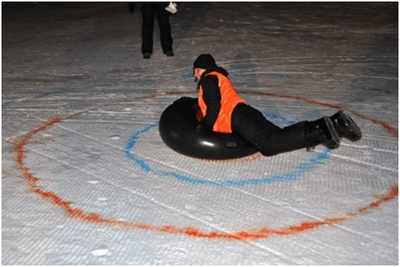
{"x": 168, "y": 207}
{"x": 369, "y": 147}
{"x": 315, "y": 217}
{"x": 236, "y": 189}
{"x": 364, "y": 163}
{"x": 262, "y": 247}
{"x": 284, "y": 205}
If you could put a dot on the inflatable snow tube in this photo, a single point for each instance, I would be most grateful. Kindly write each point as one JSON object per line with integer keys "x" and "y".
{"x": 179, "y": 130}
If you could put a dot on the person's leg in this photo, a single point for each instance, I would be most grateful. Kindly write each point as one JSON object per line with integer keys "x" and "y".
{"x": 147, "y": 29}
{"x": 251, "y": 125}
{"x": 271, "y": 139}
{"x": 165, "y": 31}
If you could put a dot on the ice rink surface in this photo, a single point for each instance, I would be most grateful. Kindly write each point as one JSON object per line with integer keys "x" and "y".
{"x": 86, "y": 178}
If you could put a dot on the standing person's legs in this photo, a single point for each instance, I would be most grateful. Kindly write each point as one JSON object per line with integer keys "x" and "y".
{"x": 165, "y": 31}
{"x": 271, "y": 139}
{"x": 147, "y": 29}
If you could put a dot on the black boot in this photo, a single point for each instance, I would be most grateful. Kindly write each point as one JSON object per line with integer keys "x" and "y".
{"x": 169, "y": 53}
{"x": 322, "y": 131}
{"x": 146, "y": 55}
{"x": 346, "y": 127}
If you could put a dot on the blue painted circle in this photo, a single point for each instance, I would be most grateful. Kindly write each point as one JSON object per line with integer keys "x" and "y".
{"x": 305, "y": 166}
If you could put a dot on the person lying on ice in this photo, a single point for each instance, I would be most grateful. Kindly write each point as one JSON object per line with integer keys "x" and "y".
{"x": 222, "y": 110}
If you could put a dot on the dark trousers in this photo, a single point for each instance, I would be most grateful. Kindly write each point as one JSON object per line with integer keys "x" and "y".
{"x": 270, "y": 139}
{"x": 149, "y": 11}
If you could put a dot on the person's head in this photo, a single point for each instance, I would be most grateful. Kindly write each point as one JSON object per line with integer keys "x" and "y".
{"x": 201, "y": 64}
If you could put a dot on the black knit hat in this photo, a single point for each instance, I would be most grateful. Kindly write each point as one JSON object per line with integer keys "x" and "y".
{"x": 204, "y": 61}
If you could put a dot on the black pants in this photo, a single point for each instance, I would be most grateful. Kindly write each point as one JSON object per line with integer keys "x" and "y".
{"x": 270, "y": 139}
{"x": 149, "y": 11}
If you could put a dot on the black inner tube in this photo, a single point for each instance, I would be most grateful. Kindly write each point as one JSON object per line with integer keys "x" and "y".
{"x": 179, "y": 130}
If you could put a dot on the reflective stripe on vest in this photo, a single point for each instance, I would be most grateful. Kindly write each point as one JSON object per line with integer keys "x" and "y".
{"x": 229, "y": 100}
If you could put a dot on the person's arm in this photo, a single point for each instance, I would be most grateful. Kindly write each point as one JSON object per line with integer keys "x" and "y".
{"x": 212, "y": 98}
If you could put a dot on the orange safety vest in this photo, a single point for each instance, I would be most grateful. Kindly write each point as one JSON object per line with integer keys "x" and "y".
{"x": 229, "y": 100}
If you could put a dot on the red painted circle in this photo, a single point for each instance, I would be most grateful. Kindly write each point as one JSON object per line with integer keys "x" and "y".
{"x": 260, "y": 233}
